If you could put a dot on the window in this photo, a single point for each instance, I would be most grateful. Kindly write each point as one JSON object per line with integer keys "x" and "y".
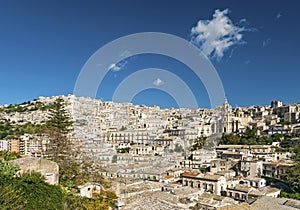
{"x": 50, "y": 178}
{"x": 211, "y": 188}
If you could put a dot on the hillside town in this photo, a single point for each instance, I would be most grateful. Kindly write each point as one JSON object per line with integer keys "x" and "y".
{"x": 172, "y": 158}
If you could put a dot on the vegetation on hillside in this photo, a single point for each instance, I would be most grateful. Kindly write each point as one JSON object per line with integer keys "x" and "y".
{"x": 29, "y": 191}
{"x": 26, "y": 191}
{"x": 291, "y": 182}
{"x": 9, "y": 130}
{"x": 250, "y": 137}
{"x": 13, "y": 130}
{"x": 198, "y": 143}
{"x": 123, "y": 150}
{"x": 293, "y": 176}
{"x": 60, "y": 148}
{"x": 25, "y": 107}
{"x": 6, "y": 155}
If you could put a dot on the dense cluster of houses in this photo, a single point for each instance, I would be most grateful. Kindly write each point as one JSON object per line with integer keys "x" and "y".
{"x": 135, "y": 142}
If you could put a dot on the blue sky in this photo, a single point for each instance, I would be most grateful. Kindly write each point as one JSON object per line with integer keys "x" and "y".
{"x": 44, "y": 45}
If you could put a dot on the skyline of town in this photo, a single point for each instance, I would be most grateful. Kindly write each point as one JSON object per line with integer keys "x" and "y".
{"x": 166, "y": 158}
{"x": 152, "y": 105}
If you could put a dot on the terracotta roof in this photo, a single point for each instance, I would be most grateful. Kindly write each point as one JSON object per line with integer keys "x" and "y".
{"x": 271, "y": 163}
{"x": 210, "y": 177}
{"x": 190, "y": 174}
{"x": 168, "y": 177}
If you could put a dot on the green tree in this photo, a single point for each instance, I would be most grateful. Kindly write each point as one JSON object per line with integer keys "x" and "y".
{"x": 7, "y": 169}
{"x": 293, "y": 173}
{"x": 293, "y": 176}
{"x": 178, "y": 148}
{"x": 277, "y": 137}
{"x": 60, "y": 149}
{"x": 73, "y": 170}
{"x": 10, "y": 198}
{"x": 230, "y": 139}
{"x": 26, "y": 191}
{"x": 123, "y": 150}
{"x": 37, "y": 193}
{"x": 59, "y": 117}
{"x": 114, "y": 159}
{"x": 6, "y": 155}
{"x": 199, "y": 143}
{"x": 251, "y": 133}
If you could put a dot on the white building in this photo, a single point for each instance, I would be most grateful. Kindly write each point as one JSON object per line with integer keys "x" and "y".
{"x": 4, "y": 145}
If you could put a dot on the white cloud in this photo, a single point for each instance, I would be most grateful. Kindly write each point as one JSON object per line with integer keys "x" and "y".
{"x": 114, "y": 67}
{"x": 266, "y": 42}
{"x": 124, "y": 56}
{"x": 118, "y": 66}
{"x": 243, "y": 20}
{"x": 278, "y": 15}
{"x": 158, "y": 82}
{"x": 217, "y": 35}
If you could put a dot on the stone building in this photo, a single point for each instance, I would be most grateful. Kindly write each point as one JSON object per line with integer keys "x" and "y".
{"x": 251, "y": 168}
{"x": 47, "y": 168}
{"x": 276, "y": 169}
{"x": 200, "y": 158}
{"x": 4, "y": 145}
{"x": 89, "y": 190}
{"x": 15, "y": 146}
{"x": 212, "y": 202}
{"x": 219, "y": 165}
{"x": 206, "y": 182}
{"x": 239, "y": 192}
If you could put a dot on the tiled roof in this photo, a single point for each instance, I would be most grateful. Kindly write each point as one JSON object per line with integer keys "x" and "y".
{"x": 211, "y": 177}
{"x": 190, "y": 174}
{"x": 168, "y": 177}
{"x": 241, "y": 206}
{"x": 270, "y": 203}
{"x": 241, "y": 188}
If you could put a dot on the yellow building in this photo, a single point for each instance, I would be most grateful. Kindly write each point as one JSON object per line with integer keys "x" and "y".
{"x": 15, "y": 146}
